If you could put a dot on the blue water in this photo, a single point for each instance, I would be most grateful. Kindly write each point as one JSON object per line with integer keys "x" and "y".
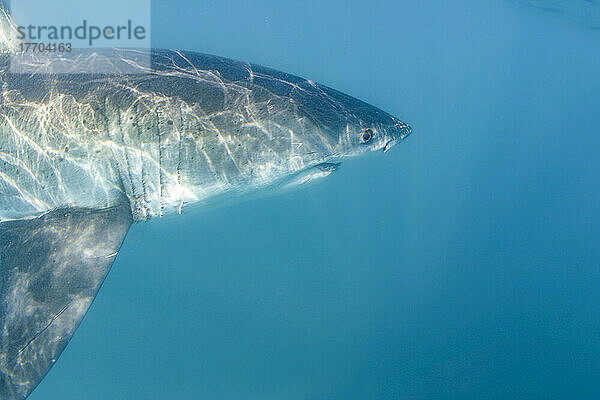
{"x": 462, "y": 264}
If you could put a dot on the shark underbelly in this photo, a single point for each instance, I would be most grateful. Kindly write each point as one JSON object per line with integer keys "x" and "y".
{"x": 36, "y": 178}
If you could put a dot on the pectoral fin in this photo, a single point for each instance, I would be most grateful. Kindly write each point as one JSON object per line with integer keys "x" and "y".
{"x": 51, "y": 268}
{"x": 308, "y": 176}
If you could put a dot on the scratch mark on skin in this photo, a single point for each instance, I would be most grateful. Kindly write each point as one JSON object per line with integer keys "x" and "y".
{"x": 188, "y": 61}
{"x": 42, "y": 331}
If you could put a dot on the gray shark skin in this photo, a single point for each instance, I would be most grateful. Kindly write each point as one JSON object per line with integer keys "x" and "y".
{"x": 189, "y": 128}
{"x": 85, "y": 154}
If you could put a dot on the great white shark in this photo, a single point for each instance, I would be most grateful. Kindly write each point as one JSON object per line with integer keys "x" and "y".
{"x": 84, "y": 154}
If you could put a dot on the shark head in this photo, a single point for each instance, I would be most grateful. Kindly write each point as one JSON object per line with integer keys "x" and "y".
{"x": 352, "y": 126}
{"x": 250, "y": 127}
{"x": 311, "y": 127}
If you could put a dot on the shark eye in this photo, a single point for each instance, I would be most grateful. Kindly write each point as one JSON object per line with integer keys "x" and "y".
{"x": 367, "y": 135}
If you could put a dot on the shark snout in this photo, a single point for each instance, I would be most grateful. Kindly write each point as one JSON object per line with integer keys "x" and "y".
{"x": 399, "y": 132}
{"x": 404, "y": 132}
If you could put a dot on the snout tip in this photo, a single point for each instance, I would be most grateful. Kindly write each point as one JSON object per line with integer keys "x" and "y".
{"x": 405, "y": 131}
{"x": 401, "y": 131}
